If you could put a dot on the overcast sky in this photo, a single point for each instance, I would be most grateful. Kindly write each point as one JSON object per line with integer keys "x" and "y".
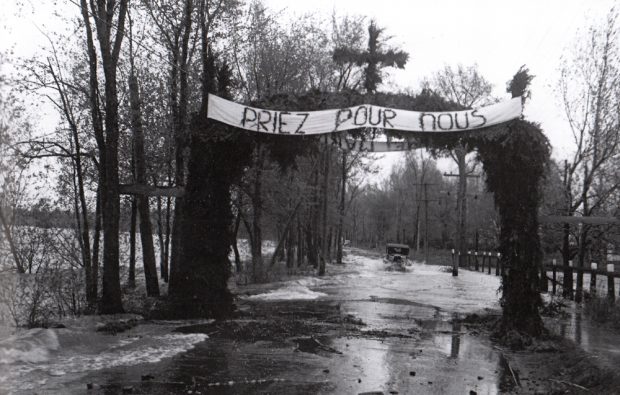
{"x": 499, "y": 36}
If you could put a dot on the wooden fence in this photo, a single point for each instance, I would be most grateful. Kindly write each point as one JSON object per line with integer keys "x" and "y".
{"x": 483, "y": 261}
{"x": 490, "y": 263}
{"x": 593, "y": 271}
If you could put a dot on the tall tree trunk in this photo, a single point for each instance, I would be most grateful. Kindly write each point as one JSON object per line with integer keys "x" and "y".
{"x": 166, "y": 251}
{"x": 83, "y": 222}
{"x": 324, "y": 242}
{"x": 233, "y": 241}
{"x": 278, "y": 253}
{"x": 110, "y": 302}
{"x": 311, "y": 247}
{"x": 417, "y": 226}
{"x": 257, "y": 215}
{"x": 290, "y": 248}
{"x": 110, "y": 46}
{"x": 343, "y": 186}
{"x": 300, "y": 244}
{"x": 461, "y": 209}
{"x": 181, "y": 138}
{"x": 161, "y": 238}
{"x": 146, "y": 231}
{"x": 131, "y": 278}
{"x": 312, "y": 230}
{"x": 94, "y": 282}
{"x": 80, "y": 207}
{"x": 97, "y": 124}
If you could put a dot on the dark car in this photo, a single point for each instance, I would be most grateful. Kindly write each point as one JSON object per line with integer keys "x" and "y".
{"x": 397, "y": 254}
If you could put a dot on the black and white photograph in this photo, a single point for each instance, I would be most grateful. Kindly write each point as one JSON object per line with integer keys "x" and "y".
{"x": 328, "y": 197}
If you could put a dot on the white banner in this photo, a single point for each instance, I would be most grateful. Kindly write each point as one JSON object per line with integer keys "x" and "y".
{"x": 336, "y": 120}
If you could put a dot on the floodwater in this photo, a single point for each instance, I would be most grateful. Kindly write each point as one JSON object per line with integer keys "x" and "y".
{"x": 597, "y": 340}
{"x": 361, "y": 329}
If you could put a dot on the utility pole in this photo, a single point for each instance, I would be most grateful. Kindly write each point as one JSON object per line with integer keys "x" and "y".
{"x": 426, "y": 222}
{"x": 567, "y": 285}
{"x": 461, "y": 205}
{"x": 425, "y": 201}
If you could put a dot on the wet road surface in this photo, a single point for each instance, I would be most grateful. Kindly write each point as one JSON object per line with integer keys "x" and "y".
{"x": 361, "y": 329}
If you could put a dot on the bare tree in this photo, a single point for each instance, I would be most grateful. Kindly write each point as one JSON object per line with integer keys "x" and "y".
{"x": 11, "y": 167}
{"x": 51, "y": 79}
{"x": 588, "y": 86}
{"x": 106, "y": 20}
{"x": 146, "y": 232}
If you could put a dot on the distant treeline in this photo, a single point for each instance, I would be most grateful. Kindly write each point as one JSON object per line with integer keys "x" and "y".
{"x": 56, "y": 218}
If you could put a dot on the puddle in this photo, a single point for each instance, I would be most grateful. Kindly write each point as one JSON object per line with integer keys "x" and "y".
{"x": 597, "y": 340}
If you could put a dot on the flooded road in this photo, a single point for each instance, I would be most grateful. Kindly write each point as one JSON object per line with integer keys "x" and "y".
{"x": 361, "y": 329}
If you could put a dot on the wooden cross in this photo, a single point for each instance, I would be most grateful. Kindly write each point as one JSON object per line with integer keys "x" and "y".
{"x": 373, "y": 57}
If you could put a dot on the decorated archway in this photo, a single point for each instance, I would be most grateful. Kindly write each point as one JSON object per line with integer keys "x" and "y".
{"x": 513, "y": 151}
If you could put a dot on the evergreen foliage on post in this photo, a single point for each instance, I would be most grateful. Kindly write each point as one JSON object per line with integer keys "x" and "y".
{"x": 515, "y": 167}
{"x": 218, "y": 155}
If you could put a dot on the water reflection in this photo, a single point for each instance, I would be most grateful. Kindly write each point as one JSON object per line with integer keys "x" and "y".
{"x": 595, "y": 339}
{"x": 456, "y": 339}
{"x": 578, "y": 331}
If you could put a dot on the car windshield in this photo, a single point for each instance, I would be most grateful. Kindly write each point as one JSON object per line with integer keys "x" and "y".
{"x": 402, "y": 250}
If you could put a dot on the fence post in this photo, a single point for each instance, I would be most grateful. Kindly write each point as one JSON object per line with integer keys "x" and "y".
{"x": 453, "y": 257}
{"x": 594, "y": 267}
{"x": 553, "y": 285}
{"x": 489, "y": 264}
{"x": 499, "y": 263}
{"x": 496, "y": 264}
{"x": 580, "y": 272}
{"x": 611, "y": 292}
{"x": 476, "y": 258}
{"x": 544, "y": 284}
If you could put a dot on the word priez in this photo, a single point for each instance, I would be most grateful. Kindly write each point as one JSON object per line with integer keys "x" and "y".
{"x": 282, "y": 122}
